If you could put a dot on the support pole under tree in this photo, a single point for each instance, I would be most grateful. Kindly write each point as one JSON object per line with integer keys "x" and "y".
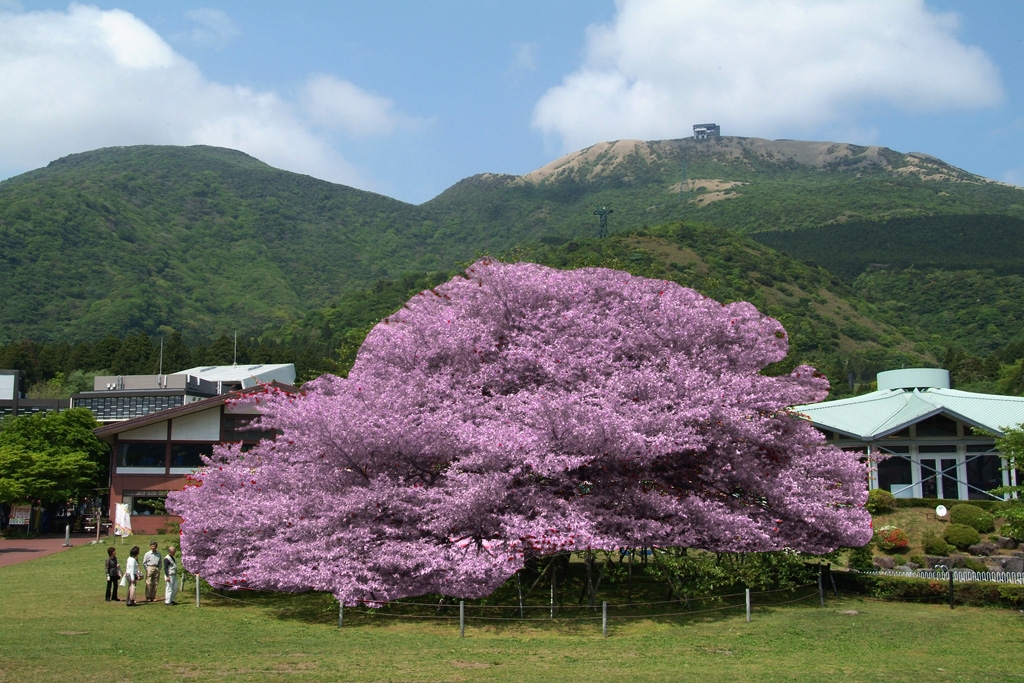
{"x": 67, "y": 536}
{"x": 604, "y": 618}
{"x": 197, "y": 588}
{"x": 462, "y": 618}
{"x": 950, "y": 574}
{"x": 748, "y": 605}
{"x": 821, "y": 587}
{"x": 341, "y": 614}
{"x": 519, "y": 583}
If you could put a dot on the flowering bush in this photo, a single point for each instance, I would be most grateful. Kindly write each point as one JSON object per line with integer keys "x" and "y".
{"x": 522, "y": 411}
{"x": 892, "y": 539}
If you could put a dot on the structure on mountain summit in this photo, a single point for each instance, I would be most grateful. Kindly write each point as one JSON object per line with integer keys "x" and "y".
{"x": 702, "y": 131}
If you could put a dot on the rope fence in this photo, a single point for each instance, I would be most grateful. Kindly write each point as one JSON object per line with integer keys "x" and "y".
{"x": 448, "y": 612}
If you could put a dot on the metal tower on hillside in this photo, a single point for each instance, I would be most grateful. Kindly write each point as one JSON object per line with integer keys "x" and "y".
{"x": 602, "y": 213}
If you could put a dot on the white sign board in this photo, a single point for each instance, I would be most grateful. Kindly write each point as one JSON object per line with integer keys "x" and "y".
{"x": 122, "y": 520}
{"x": 21, "y": 515}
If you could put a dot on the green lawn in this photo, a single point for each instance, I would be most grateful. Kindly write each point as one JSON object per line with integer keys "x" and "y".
{"x": 55, "y": 626}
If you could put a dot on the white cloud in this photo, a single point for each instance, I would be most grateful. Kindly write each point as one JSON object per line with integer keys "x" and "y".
{"x": 87, "y": 78}
{"x": 338, "y": 104}
{"x": 213, "y": 28}
{"x": 762, "y": 67}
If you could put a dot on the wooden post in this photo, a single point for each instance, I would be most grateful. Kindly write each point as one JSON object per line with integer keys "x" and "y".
{"x": 197, "y": 589}
{"x": 341, "y": 613}
{"x": 67, "y": 536}
{"x": 821, "y": 587}
{"x": 629, "y": 578}
{"x": 519, "y": 583}
{"x": 462, "y": 618}
{"x": 748, "y": 605}
{"x": 604, "y": 619}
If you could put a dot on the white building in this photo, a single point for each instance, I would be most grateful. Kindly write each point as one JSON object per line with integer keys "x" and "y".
{"x": 921, "y": 437}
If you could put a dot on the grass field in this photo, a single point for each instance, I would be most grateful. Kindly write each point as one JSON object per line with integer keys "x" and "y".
{"x": 55, "y": 626}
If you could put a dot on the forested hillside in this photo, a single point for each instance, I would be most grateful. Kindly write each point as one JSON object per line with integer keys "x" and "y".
{"x": 203, "y": 241}
{"x": 829, "y": 325}
{"x": 950, "y": 242}
{"x": 197, "y": 240}
{"x": 884, "y": 258}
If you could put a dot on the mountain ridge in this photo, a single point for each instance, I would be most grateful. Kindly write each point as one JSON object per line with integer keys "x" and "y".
{"x": 203, "y": 240}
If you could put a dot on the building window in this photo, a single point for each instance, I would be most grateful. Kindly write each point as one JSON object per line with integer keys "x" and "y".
{"x": 936, "y": 425}
{"x": 895, "y": 476}
{"x": 145, "y": 502}
{"x": 983, "y": 475}
{"x": 189, "y": 455}
{"x": 148, "y": 455}
{"x": 236, "y": 428}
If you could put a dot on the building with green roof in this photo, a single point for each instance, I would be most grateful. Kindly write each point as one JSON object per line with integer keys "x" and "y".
{"x": 921, "y": 438}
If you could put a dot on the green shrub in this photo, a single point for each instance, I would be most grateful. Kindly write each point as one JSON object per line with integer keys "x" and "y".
{"x": 1013, "y": 523}
{"x": 934, "y": 545}
{"x": 989, "y": 505}
{"x": 918, "y": 560}
{"x": 860, "y": 559}
{"x": 892, "y": 539}
{"x": 972, "y": 516}
{"x": 961, "y": 535}
{"x": 974, "y": 564}
{"x": 880, "y": 500}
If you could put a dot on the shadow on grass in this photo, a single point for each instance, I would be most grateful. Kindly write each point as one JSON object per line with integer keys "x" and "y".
{"x": 322, "y": 608}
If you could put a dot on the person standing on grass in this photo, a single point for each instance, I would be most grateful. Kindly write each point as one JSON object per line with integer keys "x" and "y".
{"x": 151, "y": 563}
{"x": 131, "y": 575}
{"x": 171, "y": 580}
{"x": 113, "y": 575}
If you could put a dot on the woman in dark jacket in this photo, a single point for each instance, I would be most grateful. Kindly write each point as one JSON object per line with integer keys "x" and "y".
{"x": 113, "y": 575}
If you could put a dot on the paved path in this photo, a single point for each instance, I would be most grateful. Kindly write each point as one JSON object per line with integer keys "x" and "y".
{"x": 15, "y": 550}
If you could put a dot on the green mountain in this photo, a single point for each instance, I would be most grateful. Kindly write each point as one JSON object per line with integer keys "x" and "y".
{"x": 198, "y": 239}
{"x": 745, "y": 184}
{"x": 203, "y": 241}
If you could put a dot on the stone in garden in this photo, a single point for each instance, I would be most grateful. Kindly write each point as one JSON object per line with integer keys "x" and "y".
{"x": 1008, "y": 563}
{"x": 983, "y": 548}
{"x": 1006, "y": 543}
{"x": 884, "y": 562}
{"x": 932, "y": 560}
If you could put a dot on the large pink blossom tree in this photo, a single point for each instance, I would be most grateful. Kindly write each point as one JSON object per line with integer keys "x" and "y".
{"x": 519, "y": 411}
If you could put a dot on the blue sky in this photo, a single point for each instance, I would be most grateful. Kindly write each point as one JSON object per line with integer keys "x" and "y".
{"x": 406, "y": 98}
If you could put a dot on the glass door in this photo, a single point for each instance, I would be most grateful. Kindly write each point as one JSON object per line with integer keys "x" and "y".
{"x": 941, "y": 477}
{"x": 929, "y": 482}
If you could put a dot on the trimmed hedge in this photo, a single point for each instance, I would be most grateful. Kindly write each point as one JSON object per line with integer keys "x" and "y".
{"x": 961, "y": 535}
{"x": 880, "y": 500}
{"x": 915, "y": 588}
{"x": 934, "y": 544}
{"x": 987, "y": 505}
{"x": 973, "y": 516}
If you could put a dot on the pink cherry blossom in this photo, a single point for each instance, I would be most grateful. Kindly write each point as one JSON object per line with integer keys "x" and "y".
{"x": 520, "y": 411}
